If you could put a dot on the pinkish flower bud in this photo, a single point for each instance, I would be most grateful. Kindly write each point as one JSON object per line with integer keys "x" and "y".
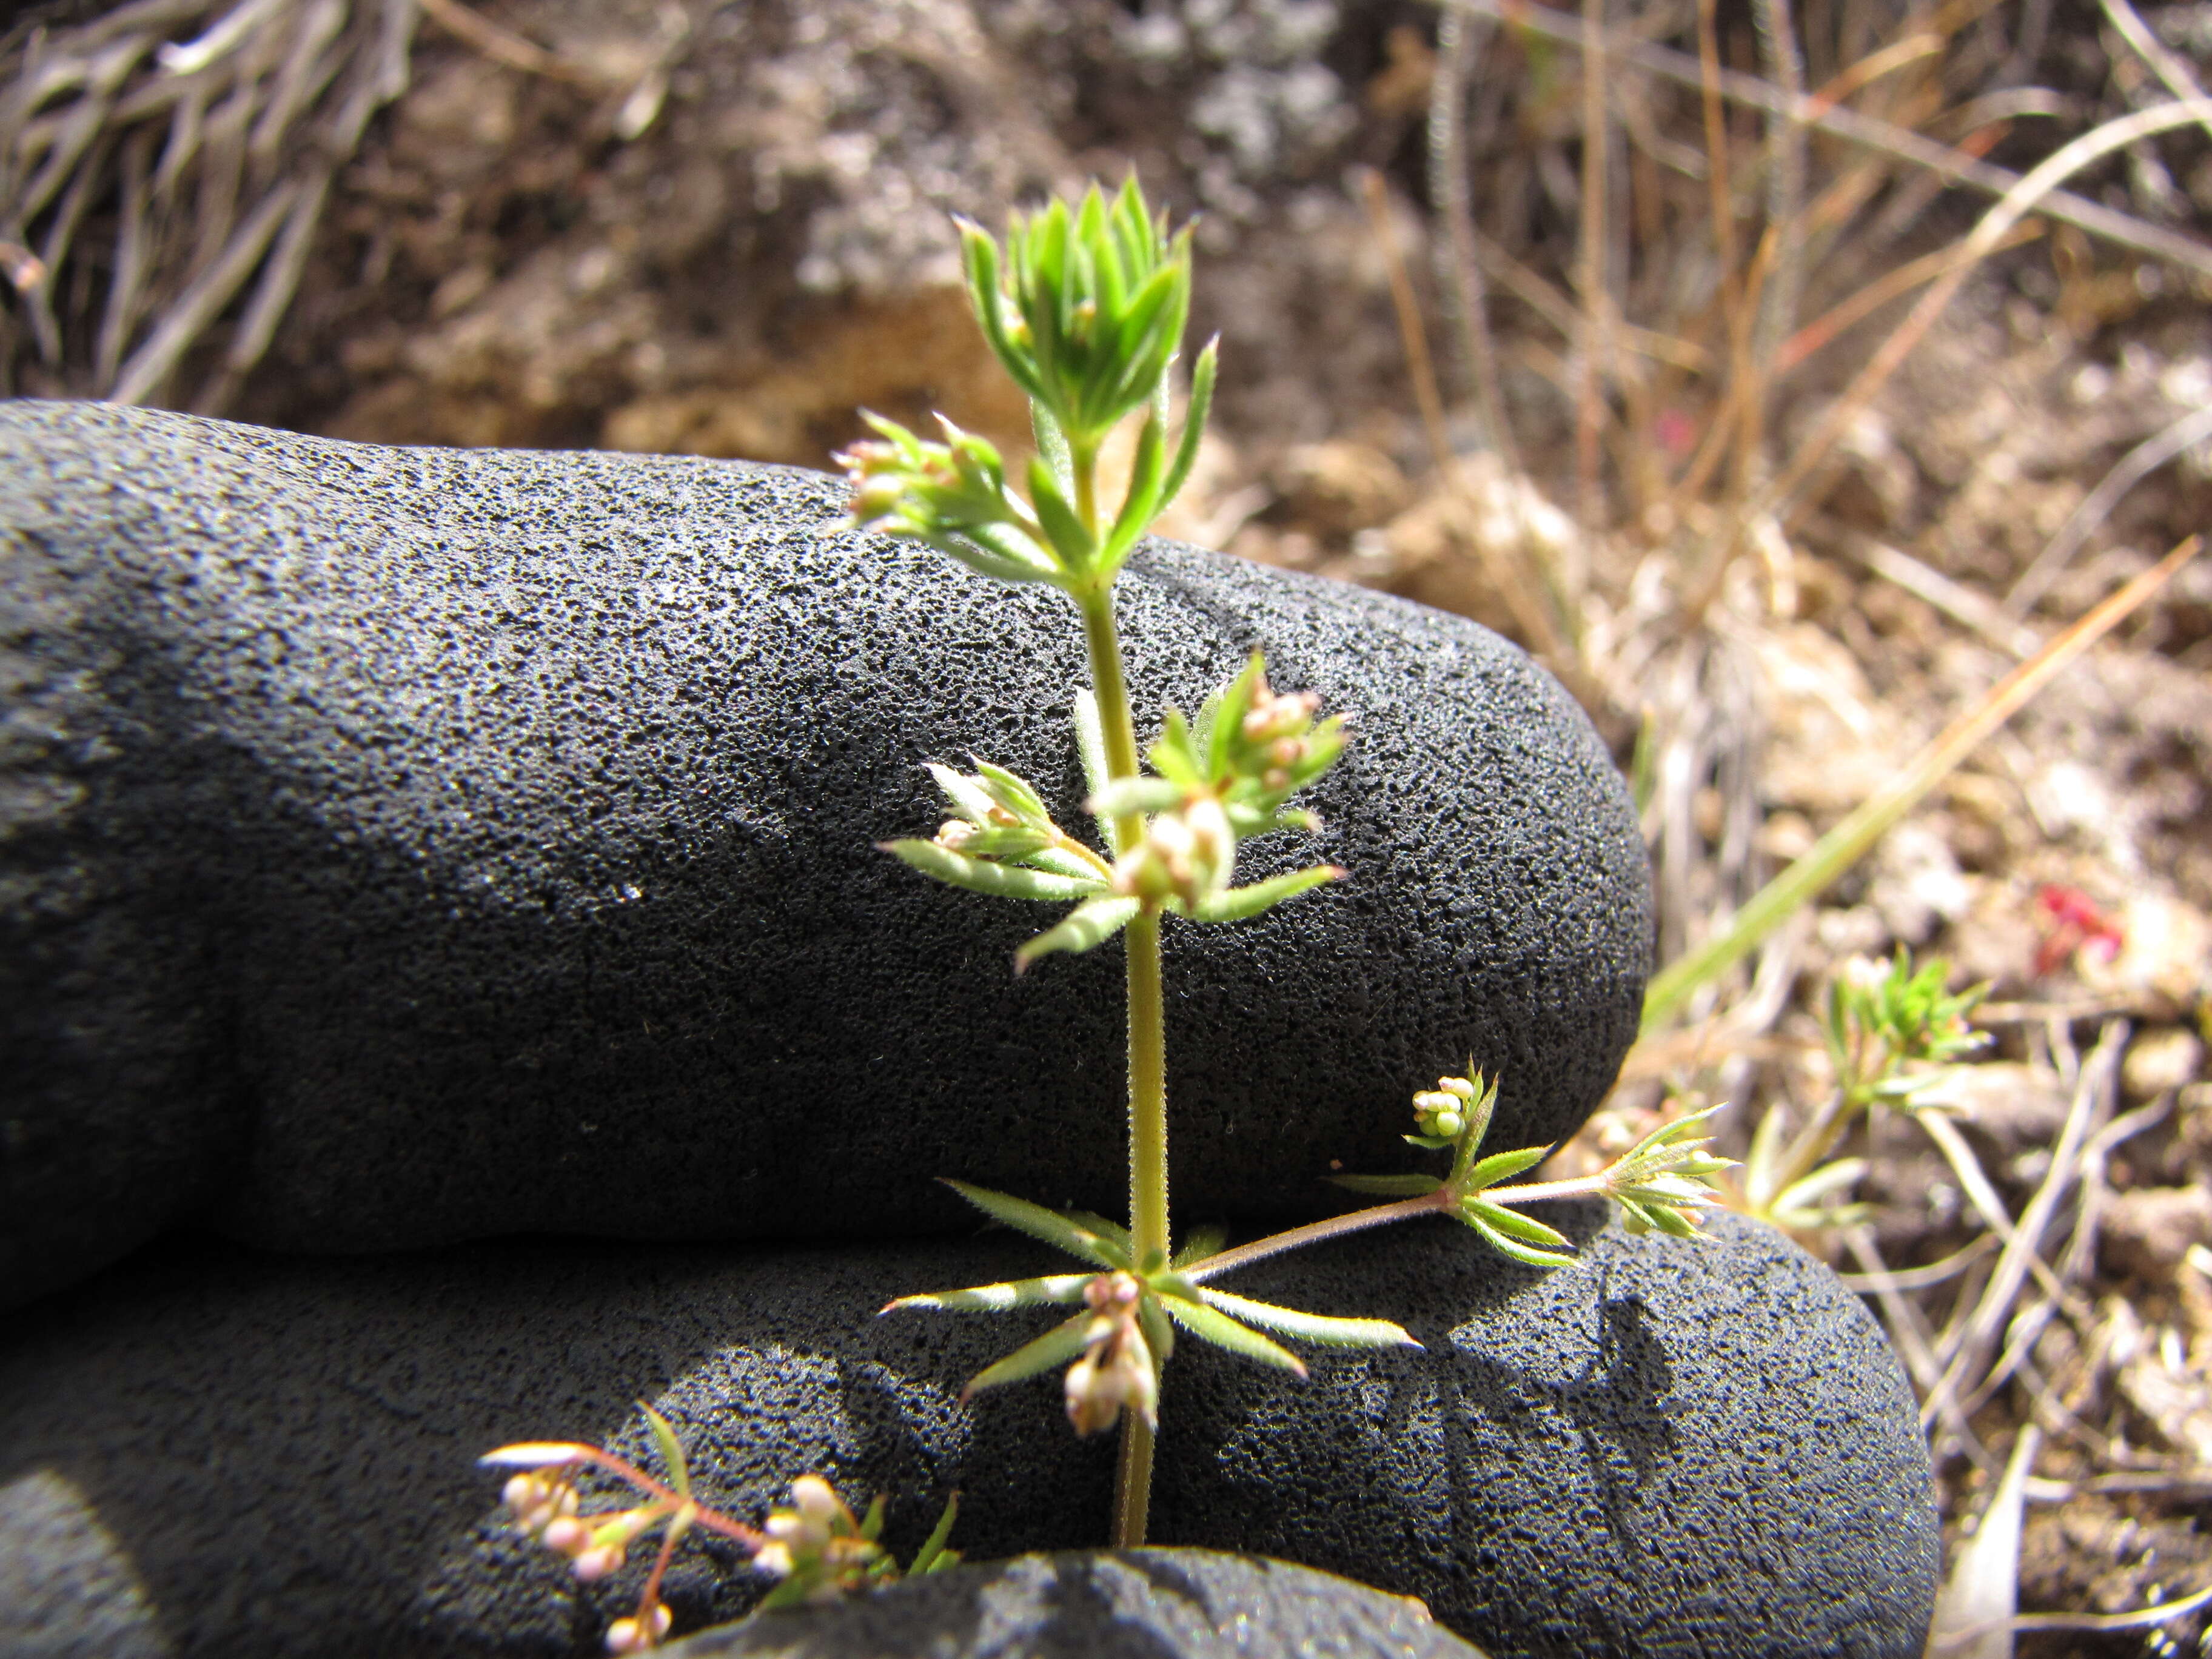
{"x": 596, "y": 1563}
{"x": 569, "y": 1535}
{"x": 634, "y": 1636}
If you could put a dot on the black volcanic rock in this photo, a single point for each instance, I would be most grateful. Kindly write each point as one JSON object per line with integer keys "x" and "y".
{"x": 1664, "y": 1448}
{"x": 402, "y": 846}
{"x": 1128, "y": 1604}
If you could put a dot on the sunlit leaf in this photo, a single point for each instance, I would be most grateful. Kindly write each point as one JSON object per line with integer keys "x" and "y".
{"x": 1310, "y": 1328}
{"x": 1048, "y": 1226}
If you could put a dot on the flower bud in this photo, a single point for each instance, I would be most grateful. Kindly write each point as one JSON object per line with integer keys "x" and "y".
{"x": 597, "y": 1562}
{"x": 634, "y": 1636}
{"x": 1438, "y": 1112}
{"x": 569, "y": 1535}
{"x": 811, "y": 1495}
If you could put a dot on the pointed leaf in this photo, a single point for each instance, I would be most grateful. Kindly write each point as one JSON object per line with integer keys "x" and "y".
{"x": 1085, "y": 927}
{"x": 1218, "y": 1328}
{"x": 1499, "y": 1165}
{"x": 872, "y": 1523}
{"x": 1069, "y": 539}
{"x": 1063, "y": 860}
{"x": 1514, "y": 1224}
{"x": 1227, "y": 724}
{"x": 1387, "y": 1186}
{"x": 1091, "y": 747}
{"x": 1520, "y": 1252}
{"x": 967, "y": 796}
{"x": 1055, "y": 1347}
{"x": 1194, "y": 422}
{"x": 999, "y": 1298}
{"x": 672, "y": 1453}
{"x": 1052, "y": 444}
{"x": 1014, "y": 793}
{"x": 932, "y": 1552}
{"x": 1125, "y": 796}
{"x": 1159, "y": 1336}
{"x": 1048, "y": 1226}
{"x": 981, "y": 876}
{"x": 1200, "y": 1244}
{"x": 1242, "y": 903}
{"x": 1142, "y": 502}
{"x": 1310, "y": 1328}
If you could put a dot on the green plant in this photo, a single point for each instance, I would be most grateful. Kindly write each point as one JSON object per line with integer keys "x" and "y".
{"x": 816, "y": 1548}
{"x": 1891, "y": 1038}
{"x": 1086, "y": 309}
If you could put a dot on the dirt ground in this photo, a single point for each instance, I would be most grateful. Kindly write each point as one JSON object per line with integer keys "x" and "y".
{"x": 676, "y": 225}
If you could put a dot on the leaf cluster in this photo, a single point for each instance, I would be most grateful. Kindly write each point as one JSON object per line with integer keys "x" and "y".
{"x": 1167, "y": 1300}
{"x": 1004, "y": 840}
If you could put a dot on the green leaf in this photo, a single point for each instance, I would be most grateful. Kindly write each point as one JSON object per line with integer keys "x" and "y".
{"x": 1655, "y": 1217}
{"x": 1015, "y": 793}
{"x": 967, "y": 796}
{"x": 1242, "y": 903}
{"x": 1085, "y": 927}
{"x": 1062, "y": 860}
{"x": 672, "y": 1453}
{"x": 1431, "y": 1143}
{"x": 1048, "y": 1226}
{"x": 1159, "y": 1336}
{"x": 972, "y": 550}
{"x": 1200, "y": 1244}
{"x": 872, "y": 1523}
{"x": 999, "y": 1298}
{"x": 1194, "y": 422}
{"x": 1057, "y": 1346}
{"x": 1514, "y": 1224}
{"x": 1069, "y": 539}
{"x": 979, "y": 257}
{"x": 981, "y": 876}
{"x": 1310, "y": 1328}
{"x": 1052, "y": 444}
{"x": 1497, "y": 1167}
{"x": 1387, "y": 1186}
{"x": 933, "y": 1554}
{"x": 1091, "y": 747}
{"x": 1126, "y": 796}
{"x": 1520, "y": 1252}
{"x": 1226, "y": 722}
{"x": 1175, "y": 757}
{"x": 1218, "y": 1328}
{"x": 1142, "y": 502}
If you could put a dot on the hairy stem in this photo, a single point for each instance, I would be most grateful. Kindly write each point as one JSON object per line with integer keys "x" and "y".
{"x": 1148, "y": 1099}
{"x": 1314, "y": 1232}
{"x": 1439, "y": 1202}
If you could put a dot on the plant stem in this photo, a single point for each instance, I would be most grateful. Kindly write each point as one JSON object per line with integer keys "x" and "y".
{"x": 1148, "y": 1099}
{"x": 1382, "y": 1215}
{"x": 1439, "y": 1202}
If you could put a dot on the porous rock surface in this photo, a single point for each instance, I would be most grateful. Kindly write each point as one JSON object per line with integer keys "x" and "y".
{"x": 1664, "y": 1448}
{"x": 402, "y": 846}
{"x": 1128, "y": 1604}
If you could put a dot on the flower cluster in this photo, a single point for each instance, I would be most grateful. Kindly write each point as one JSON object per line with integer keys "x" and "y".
{"x": 814, "y": 1547}
{"x": 1117, "y": 1368}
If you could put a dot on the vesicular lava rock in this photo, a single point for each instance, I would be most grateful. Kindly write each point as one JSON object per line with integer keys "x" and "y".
{"x": 1667, "y": 1447}
{"x": 402, "y": 846}
{"x": 1131, "y": 1604}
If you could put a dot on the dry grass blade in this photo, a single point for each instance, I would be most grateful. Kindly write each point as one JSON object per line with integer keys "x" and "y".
{"x": 1973, "y": 1615}
{"x": 2131, "y": 470}
{"x": 1952, "y": 166}
{"x": 170, "y": 162}
{"x": 2128, "y": 25}
{"x": 1845, "y": 844}
{"x": 1459, "y": 267}
{"x": 2092, "y": 1098}
{"x": 2022, "y": 199}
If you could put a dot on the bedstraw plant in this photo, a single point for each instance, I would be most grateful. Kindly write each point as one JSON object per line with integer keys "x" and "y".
{"x": 1086, "y": 308}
